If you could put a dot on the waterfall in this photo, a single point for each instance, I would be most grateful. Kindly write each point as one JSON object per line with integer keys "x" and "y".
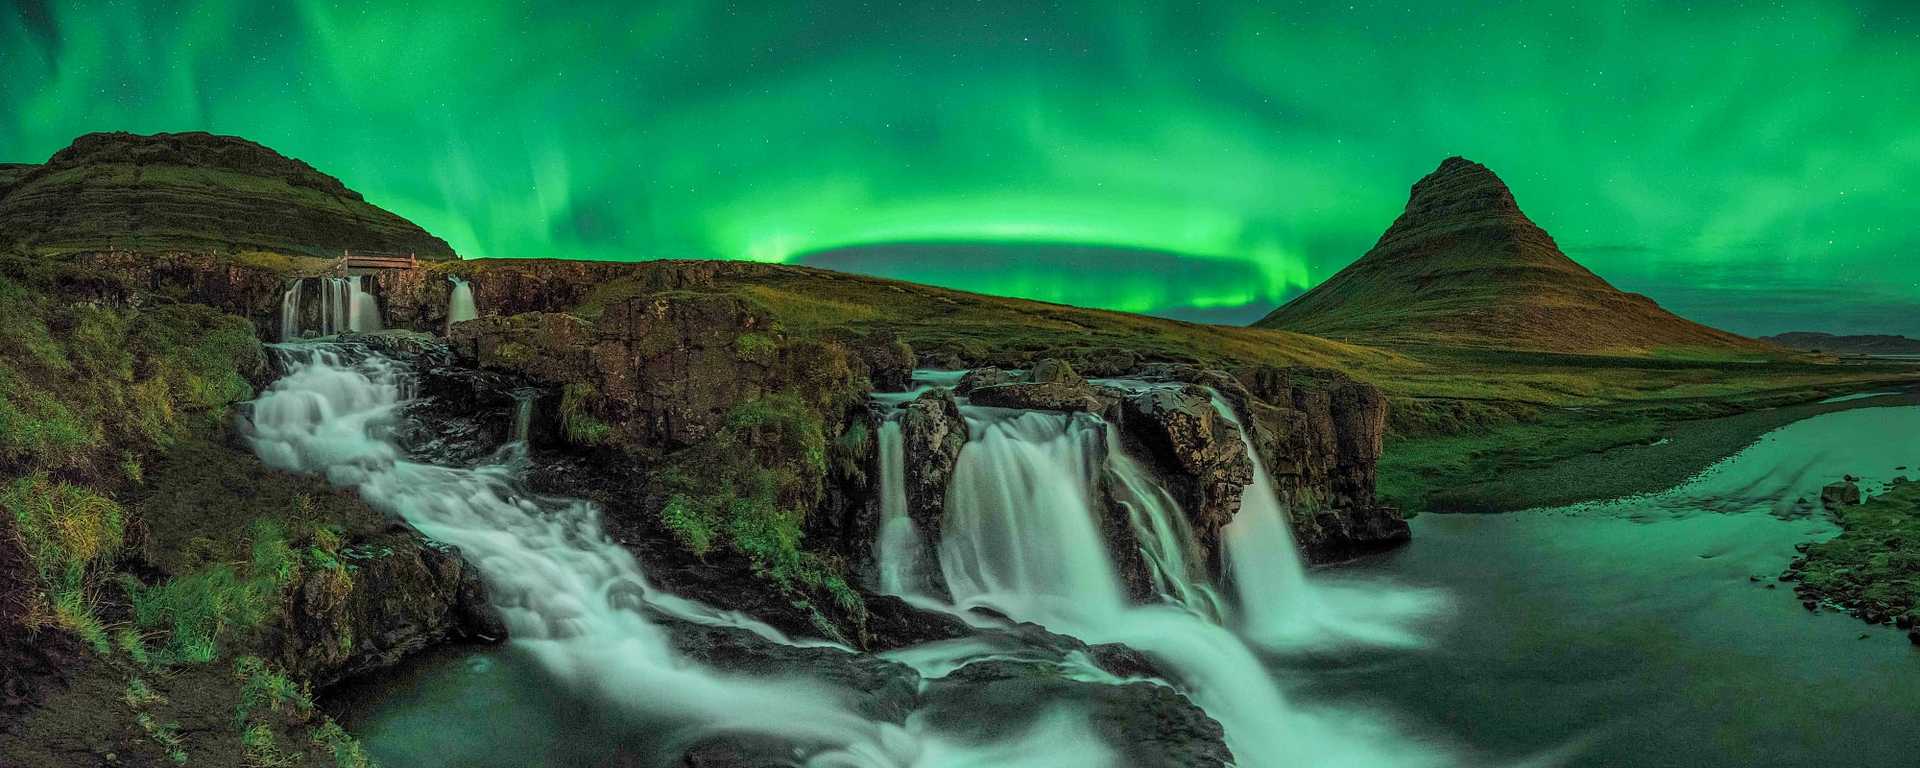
{"x": 1022, "y": 536}
{"x": 290, "y": 311}
{"x": 1166, "y": 538}
{"x": 1278, "y": 605}
{"x": 363, "y": 314}
{"x": 573, "y": 598}
{"x": 460, "y": 305}
{"x": 522, "y": 414}
{"x": 569, "y": 594}
{"x": 898, "y": 551}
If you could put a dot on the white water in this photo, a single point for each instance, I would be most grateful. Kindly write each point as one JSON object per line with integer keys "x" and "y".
{"x": 1022, "y": 536}
{"x": 899, "y": 549}
{"x": 460, "y": 305}
{"x": 522, "y": 415}
{"x": 290, "y": 311}
{"x": 345, "y": 305}
{"x": 572, "y": 597}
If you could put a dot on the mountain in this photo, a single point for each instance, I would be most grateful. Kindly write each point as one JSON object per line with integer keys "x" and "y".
{"x": 1463, "y": 266}
{"x": 193, "y": 191}
{"x": 1872, "y": 344}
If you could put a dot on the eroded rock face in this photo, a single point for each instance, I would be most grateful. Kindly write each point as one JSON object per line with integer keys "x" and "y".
{"x": 1200, "y": 454}
{"x": 402, "y": 595}
{"x": 661, "y": 371}
{"x": 1320, "y": 435}
{"x": 933, "y": 433}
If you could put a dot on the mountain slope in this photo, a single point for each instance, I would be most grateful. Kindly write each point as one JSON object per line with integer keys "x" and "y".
{"x": 1462, "y": 265}
{"x": 193, "y": 191}
{"x": 1873, "y": 344}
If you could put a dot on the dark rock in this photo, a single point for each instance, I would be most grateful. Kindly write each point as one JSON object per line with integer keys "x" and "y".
{"x": 1845, "y": 493}
{"x": 932, "y": 433}
{"x": 982, "y": 377}
{"x": 1054, "y": 371}
{"x": 1149, "y": 723}
{"x": 884, "y": 690}
{"x": 402, "y": 595}
{"x": 1202, "y": 456}
{"x": 1040, "y": 397}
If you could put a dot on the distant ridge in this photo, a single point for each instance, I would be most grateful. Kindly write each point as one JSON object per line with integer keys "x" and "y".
{"x": 1868, "y": 344}
{"x": 1463, "y": 266}
{"x": 193, "y": 191}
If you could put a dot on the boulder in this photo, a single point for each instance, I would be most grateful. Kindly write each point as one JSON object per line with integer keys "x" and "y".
{"x": 1040, "y": 397}
{"x": 391, "y": 597}
{"x": 1845, "y": 493}
{"x": 1053, "y": 370}
{"x": 1148, "y": 723}
{"x": 982, "y": 377}
{"x": 1200, "y": 454}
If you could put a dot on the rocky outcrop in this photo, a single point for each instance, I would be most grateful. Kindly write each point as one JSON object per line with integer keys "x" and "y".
{"x": 982, "y": 377}
{"x": 1052, "y": 385}
{"x": 1845, "y": 493}
{"x": 1147, "y": 723}
{"x": 1200, "y": 454}
{"x": 389, "y": 598}
{"x": 214, "y": 279}
{"x": 932, "y": 433}
{"x": 657, "y": 372}
{"x": 1320, "y": 435}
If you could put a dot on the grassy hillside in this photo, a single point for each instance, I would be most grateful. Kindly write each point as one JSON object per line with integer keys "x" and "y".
{"x": 193, "y": 191}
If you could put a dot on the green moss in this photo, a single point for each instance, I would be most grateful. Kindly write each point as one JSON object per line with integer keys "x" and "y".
{"x": 199, "y": 611}
{"x": 1431, "y": 470}
{"x": 757, "y": 348}
{"x": 750, "y": 487}
{"x": 577, "y": 421}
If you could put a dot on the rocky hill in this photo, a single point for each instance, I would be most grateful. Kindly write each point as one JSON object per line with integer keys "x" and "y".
{"x": 193, "y": 191}
{"x": 1869, "y": 344}
{"x": 1463, "y": 266}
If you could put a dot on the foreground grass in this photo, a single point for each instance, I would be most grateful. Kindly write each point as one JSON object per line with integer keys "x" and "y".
{"x": 112, "y": 416}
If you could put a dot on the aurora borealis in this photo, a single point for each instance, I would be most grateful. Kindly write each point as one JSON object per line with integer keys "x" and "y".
{"x": 1752, "y": 165}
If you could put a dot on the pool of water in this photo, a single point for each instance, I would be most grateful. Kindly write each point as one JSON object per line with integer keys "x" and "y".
{"x": 1652, "y": 632}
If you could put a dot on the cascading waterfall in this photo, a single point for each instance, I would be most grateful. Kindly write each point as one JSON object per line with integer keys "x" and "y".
{"x": 1021, "y": 536}
{"x": 1278, "y": 606}
{"x": 573, "y": 598}
{"x": 345, "y": 305}
{"x": 522, "y": 414}
{"x": 568, "y": 594}
{"x": 290, "y": 311}
{"x": 1165, "y": 536}
{"x": 364, "y": 309}
{"x": 460, "y": 303}
{"x": 898, "y": 551}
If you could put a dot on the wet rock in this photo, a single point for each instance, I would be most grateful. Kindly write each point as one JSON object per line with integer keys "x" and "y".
{"x": 1054, "y": 371}
{"x": 1040, "y": 397}
{"x": 390, "y": 597}
{"x": 932, "y": 432}
{"x": 1845, "y": 493}
{"x": 883, "y": 690}
{"x": 1149, "y": 723}
{"x": 1201, "y": 455}
{"x": 982, "y": 377}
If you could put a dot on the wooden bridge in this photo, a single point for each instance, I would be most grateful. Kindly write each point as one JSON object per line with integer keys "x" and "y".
{"x": 352, "y": 261}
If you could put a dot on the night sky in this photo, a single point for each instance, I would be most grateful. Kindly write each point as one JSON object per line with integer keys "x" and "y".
{"x": 1751, "y": 164}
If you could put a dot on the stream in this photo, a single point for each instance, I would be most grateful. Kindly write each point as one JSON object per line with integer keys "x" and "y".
{"x": 1633, "y": 632}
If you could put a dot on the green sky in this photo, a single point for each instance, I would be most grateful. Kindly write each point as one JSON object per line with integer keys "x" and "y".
{"x": 1752, "y": 164}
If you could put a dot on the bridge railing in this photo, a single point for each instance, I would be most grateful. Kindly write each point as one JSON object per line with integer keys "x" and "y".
{"x": 377, "y": 260}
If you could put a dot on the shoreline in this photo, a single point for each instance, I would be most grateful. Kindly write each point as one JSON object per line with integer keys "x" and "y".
{"x": 1683, "y": 450}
